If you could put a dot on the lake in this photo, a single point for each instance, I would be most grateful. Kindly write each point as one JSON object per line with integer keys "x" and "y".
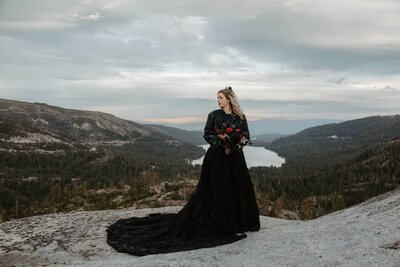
{"x": 254, "y": 155}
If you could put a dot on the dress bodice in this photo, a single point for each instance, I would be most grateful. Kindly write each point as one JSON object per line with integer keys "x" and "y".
{"x": 218, "y": 119}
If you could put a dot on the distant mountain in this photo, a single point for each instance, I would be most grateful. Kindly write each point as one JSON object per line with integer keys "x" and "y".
{"x": 196, "y": 137}
{"x": 84, "y": 126}
{"x": 267, "y": 126}
{"x": 192, "y": 137}
{"x": 262, "y": 132}
{"x": 328, "y": 144}
{"x": 285, "y": 127}
{"x": 264, "y": 139}
{"x": 96, "y": 128}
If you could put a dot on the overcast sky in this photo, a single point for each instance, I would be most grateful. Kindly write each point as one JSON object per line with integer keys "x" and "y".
{"x": 164, "y": 61}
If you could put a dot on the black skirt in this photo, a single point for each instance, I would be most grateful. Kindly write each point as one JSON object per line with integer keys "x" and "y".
{"x": 221, "y": 208}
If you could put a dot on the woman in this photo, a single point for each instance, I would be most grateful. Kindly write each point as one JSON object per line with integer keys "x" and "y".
{"x": 222, "y": 206}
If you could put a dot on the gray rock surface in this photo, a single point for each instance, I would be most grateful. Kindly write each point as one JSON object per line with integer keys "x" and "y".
{"x": 367, "y": 234}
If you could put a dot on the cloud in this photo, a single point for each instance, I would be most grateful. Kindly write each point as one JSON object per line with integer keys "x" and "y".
{"x": 34, "y": 25}
{"x": 292, "y": 59}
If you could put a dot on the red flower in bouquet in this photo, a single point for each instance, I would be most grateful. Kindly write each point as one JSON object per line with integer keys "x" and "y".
{"x": 228, "y": 130}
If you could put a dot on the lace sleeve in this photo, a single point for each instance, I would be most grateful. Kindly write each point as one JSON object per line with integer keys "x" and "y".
{"x": 209, "y": 132}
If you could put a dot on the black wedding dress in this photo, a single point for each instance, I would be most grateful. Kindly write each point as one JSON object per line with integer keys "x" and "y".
{"x": 221, "y": 208}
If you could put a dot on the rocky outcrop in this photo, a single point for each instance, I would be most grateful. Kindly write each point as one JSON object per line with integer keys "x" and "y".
{"x": 367, "y": 234}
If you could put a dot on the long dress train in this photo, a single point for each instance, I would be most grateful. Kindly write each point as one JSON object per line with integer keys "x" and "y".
{"x": 221, "y": 208}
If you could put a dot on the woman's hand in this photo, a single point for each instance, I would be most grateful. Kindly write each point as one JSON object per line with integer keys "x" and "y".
{"x": 222, "y": 136}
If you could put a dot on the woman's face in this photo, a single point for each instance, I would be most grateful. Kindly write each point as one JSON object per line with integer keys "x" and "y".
{"x": 222, "y": 100}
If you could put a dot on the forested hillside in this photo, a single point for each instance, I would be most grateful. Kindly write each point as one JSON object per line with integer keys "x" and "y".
{"x": 374, "y": 171}
{"x": 326, "y": 145}
{"x": 41, "y": 169}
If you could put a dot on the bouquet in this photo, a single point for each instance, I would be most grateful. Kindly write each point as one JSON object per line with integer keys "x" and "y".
{"x": 232, "y": 136}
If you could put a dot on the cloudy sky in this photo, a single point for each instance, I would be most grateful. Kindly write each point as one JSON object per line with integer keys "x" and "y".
{"x": 164, "y": 61}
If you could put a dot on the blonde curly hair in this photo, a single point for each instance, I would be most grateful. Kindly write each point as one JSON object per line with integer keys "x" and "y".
{"x": 229, "y": 94}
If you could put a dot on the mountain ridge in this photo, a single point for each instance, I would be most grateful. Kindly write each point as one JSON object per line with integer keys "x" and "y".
{"x": 86, "y": 126}
{"x": 332, "y": 143}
